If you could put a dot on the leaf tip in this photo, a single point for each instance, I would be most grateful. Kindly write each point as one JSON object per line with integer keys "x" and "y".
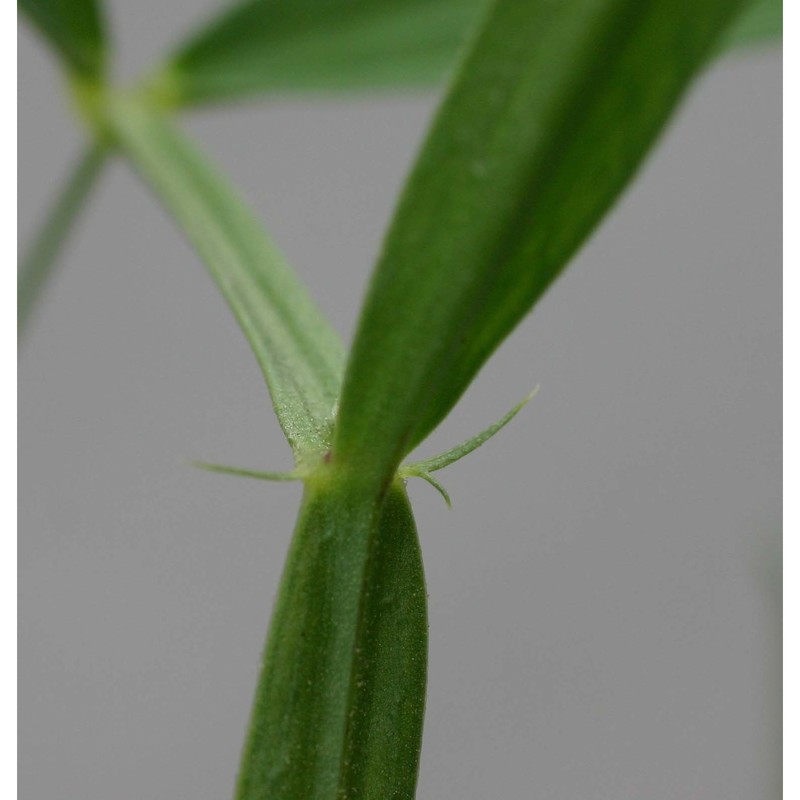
{"x": 222, "y": 469}
{"x": 465, "y": 448}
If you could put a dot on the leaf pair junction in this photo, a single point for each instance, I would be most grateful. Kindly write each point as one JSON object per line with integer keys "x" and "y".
{"x": 415, "y": 469}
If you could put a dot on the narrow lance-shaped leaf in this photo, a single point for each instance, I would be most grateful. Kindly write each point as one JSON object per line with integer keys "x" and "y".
{"x": 553, "y": 111}
{"x": 280, "y": 45}
{"x": 448, "y": 457}
{"x": 337, "y": 45}
{"x": 37, "y": 265}
{"x": 340, "y": 702}
{"x": 299, "y": 353}
{"x": 75, "y": 29}
{"x": 423, "y": 469}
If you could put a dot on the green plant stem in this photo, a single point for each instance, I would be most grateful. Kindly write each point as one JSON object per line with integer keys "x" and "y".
{"x": 339, "y": 705}
{"x": 340, "y": 701}
{"x": 37, "y": 265}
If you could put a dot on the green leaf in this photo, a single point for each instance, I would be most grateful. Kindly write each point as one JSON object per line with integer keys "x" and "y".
{"x": 552, "y": 113}
{"x": 760, "y": 21}
{"x": 37, "y": 265}
{"x": 340, "y": 702}
{"x": 458, "y": 452}
{"x": 74, "y": 28}
{"x": 299, "y": 353}
{"x": 423, "y": 469}
{"x": 280, "y": 45}
{"x": 240, "y": 472}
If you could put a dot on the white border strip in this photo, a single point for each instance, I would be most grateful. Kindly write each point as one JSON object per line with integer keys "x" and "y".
{"x": 791, "y": 395}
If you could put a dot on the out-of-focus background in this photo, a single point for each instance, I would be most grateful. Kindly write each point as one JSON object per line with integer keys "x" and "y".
{"x": 604, "y": 597}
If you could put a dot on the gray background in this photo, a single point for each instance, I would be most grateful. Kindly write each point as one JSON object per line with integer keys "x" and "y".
{"x": 603, "y": 598}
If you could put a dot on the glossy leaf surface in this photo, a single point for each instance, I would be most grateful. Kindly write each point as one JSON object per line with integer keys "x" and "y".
{"x": 553, "y": 111}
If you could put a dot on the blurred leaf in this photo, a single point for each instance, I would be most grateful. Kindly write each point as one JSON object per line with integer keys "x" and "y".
{"x": 37, "y": 266}
{"x": 240, "y": 472}
{"x": 340, "y": 702}
{"x": 75, "y": 28}
{"x": 760, "y": 21}
{"x": 299, "y": 353}
{"x": 553, "y": 111}
{"x": 346, "y": 45}
{"x": 280, "y": 45}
